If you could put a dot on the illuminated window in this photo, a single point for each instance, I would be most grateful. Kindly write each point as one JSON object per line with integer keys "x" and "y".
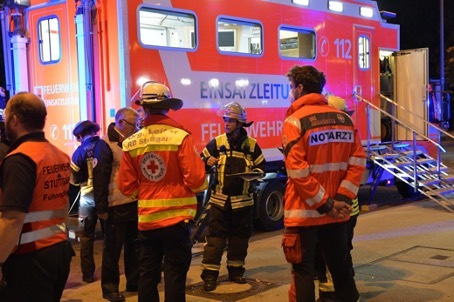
{"x": 167, "y": 28}
{"x": 301, "y": 2}
{"x": 49, "y": 40}
{"x": 363, "y": 52}
{"x": 239, "y": 36}
{"x": 335, "y": 6}
{"x": 297, "y": 43}
{"x": 367, "y": 12}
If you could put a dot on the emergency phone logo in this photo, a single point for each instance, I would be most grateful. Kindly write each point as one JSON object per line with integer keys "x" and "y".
{"x": 153, "y": 167}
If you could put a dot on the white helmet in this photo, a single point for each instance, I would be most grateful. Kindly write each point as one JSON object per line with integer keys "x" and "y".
{"x": 157, "y": 95}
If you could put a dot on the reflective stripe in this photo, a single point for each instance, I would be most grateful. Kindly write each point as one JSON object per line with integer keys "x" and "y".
{"x": 152, "y": 148}
{"x": 235, "y": 263}
{"x": 298, "y": 173}
{"x": 75, "y": 167}
{"x": 211, "y": 267}
{"x": 342, "y": 166}
{"x": 239, "y": 198}
{"x": 201, "y": 188}
{"x": 357, "y": 161}
{"x": 302, "y": 214}
{"x": 174, "y": 202}
{"x": 242, "y": 204}
{"x": 294, "y": 121}
{"x": 349, "y": 186}
{"x": 42, "y": 233}
{"x": 355, "y": 206}
{"x": 44, "y": 215}
{"x": 259, "y": 160}
{"x": 317, "y": 198}
{"x": 166, "y": 214}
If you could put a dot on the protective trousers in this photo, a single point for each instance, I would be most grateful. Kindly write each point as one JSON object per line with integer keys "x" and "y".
{"x": 227, "y": 228}
{"x": 333, "y": 243}
{"x": 173, "y": 244}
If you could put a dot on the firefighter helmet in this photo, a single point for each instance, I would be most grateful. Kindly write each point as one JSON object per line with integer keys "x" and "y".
{"x": 337, "y": 102}
{"x": 85, "y": 126}
{"x": 157, "y": 95}
{"x": 236, "y": 111}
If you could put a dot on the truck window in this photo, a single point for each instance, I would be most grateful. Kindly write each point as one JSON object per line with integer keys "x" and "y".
{"x": 297, "y": 43}
{"x": 363, "y": 52}
{"x": 49, "y": 40}
{"x": 239, "y": 36}
{"x": 174, "y": 29}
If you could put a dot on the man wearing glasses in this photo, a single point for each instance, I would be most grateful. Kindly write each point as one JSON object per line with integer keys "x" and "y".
{"x": 118, "y": 211}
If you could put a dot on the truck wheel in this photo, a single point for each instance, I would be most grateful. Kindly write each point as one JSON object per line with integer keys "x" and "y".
{"x": 271, "y": 207}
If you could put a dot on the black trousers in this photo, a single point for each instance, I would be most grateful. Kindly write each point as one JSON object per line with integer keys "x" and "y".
{"x": 227, "y": 227}
{"x": 116, "y": 235}
{"x": 38, "y": 276}
{"x": 334, "y": 245}
{"x": 173, "y": 244}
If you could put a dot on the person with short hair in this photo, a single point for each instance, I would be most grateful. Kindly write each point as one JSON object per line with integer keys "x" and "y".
{"x": 325, "y": 162}
{"x": 163, "y": 170}
{"x": 35, "y": 253}
{"x": 119, "y": 212}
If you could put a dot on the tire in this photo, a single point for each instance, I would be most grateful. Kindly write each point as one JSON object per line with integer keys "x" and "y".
{"x": 270, "y": 208}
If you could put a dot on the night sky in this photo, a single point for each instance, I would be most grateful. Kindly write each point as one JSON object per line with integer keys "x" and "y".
{"x": 420, "y": 26}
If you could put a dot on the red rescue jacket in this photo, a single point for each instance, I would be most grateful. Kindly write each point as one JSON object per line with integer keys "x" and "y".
{"x": 324, "y": 159}
{"x": 162, "y": 169}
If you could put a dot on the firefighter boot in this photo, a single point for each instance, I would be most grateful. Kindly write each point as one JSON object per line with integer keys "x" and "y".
{"x": 209, "y": 280}
{"x": 236, "y": 274}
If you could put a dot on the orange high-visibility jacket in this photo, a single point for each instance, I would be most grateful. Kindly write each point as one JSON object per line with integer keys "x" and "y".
{"x": 163, "y": 170}
{"x": 324, "y": 159}
{"x": 44, "y": 223}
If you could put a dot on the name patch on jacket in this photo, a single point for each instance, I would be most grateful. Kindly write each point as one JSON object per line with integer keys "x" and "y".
{"x": 330, "y": 136}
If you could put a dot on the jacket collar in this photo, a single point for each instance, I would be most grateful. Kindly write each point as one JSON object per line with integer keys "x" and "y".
{"x": 307, "y": 99}
{"x": 162, "y": 119}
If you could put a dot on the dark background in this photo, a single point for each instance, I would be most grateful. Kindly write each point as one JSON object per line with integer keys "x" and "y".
{"x": 419, "y": 22}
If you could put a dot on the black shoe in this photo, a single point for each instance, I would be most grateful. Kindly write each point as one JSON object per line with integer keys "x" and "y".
{"x": 114, "y": 297}
{"x": 238, "y": 279}
{"x": 90, "y": 279}
{"x": 209, "y": 285}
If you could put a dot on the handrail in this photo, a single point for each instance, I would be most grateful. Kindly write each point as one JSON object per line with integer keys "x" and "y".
{"x": 415, "y": 115}
{"x": 399, "y": 121}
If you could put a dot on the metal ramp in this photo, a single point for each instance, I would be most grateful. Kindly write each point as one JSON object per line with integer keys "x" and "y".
{"x": 410, "y": 163}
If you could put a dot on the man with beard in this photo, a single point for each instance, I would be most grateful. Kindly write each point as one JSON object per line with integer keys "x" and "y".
{"x": 325, "y": 162}
{"x": 34, "y": 252}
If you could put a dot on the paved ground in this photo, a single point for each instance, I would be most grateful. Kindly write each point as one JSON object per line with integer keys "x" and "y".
{"x": 403, "y": 251}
